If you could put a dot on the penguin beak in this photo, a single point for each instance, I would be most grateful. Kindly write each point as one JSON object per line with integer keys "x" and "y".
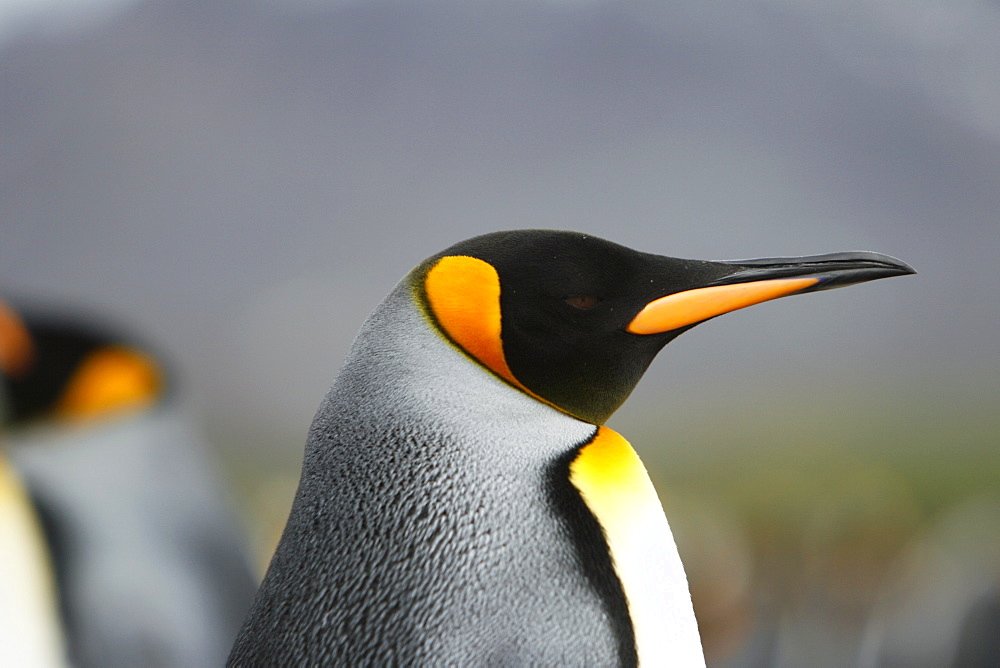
{"x": 749, "y": 282}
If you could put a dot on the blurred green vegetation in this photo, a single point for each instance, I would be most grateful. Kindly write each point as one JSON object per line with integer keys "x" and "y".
{"x": 772, "y": 460}
{"x": 772, "y": 455}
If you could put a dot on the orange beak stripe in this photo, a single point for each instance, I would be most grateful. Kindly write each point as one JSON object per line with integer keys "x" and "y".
{"x": 693, "y": 306}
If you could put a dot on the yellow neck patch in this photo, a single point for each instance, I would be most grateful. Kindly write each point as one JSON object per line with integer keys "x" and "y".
{"x": 464, "y": 296}
{"x": 110, "y": 380}
{"x": 611, "y": 479}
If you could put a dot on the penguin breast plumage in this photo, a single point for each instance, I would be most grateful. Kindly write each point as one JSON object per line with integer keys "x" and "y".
{"x": 460, "y": 502}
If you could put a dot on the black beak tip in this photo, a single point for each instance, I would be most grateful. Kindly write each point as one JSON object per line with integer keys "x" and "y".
{"x": 832, "y": 270}
{"x": 903, "y": 268}
{"x": 862, "y": 266}
{"x": 843, "y": 269}
{"x": 868, "y": 259}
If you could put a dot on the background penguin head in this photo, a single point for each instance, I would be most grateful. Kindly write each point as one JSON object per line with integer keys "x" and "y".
{"x": 71, "y": 369}
{"x": 575, "y": 320}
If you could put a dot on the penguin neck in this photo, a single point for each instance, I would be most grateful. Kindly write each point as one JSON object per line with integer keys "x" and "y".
{"x": 416, "y": 414}
{"x": 404, "y": 370}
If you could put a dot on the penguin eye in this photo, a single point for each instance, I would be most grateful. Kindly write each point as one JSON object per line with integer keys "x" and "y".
{"x": 583, "y": 302}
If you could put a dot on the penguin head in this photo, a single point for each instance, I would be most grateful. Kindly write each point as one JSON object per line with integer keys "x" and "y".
{"x": 67, "y": 368}
{"x": 574, "y": 320}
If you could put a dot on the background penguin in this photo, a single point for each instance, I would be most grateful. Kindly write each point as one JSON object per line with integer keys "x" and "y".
{"x": 460, "y": 503}
{"x": 150, "y": 565}
{"x": 30, "y": 627}
{"x": 941, "y": 605}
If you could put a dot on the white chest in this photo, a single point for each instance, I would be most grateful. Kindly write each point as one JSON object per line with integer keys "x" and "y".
{"x": 614, "y": 485}
{"x": 30, "y": 633}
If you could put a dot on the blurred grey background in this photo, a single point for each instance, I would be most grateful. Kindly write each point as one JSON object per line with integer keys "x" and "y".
{"x": 241, "y": 181}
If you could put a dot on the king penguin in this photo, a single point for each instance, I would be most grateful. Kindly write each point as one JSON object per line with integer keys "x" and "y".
{"x": 31, "y": 632}
{"x": 145, "y": 558}
{"x": 461, "y": 502}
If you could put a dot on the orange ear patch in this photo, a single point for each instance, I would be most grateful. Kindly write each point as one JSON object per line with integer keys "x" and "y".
{"x": 693, "y": 306}
{"x": 464, "y": 297}
{"x": 109, "y": 380}
{"x": 16, "y": 347}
